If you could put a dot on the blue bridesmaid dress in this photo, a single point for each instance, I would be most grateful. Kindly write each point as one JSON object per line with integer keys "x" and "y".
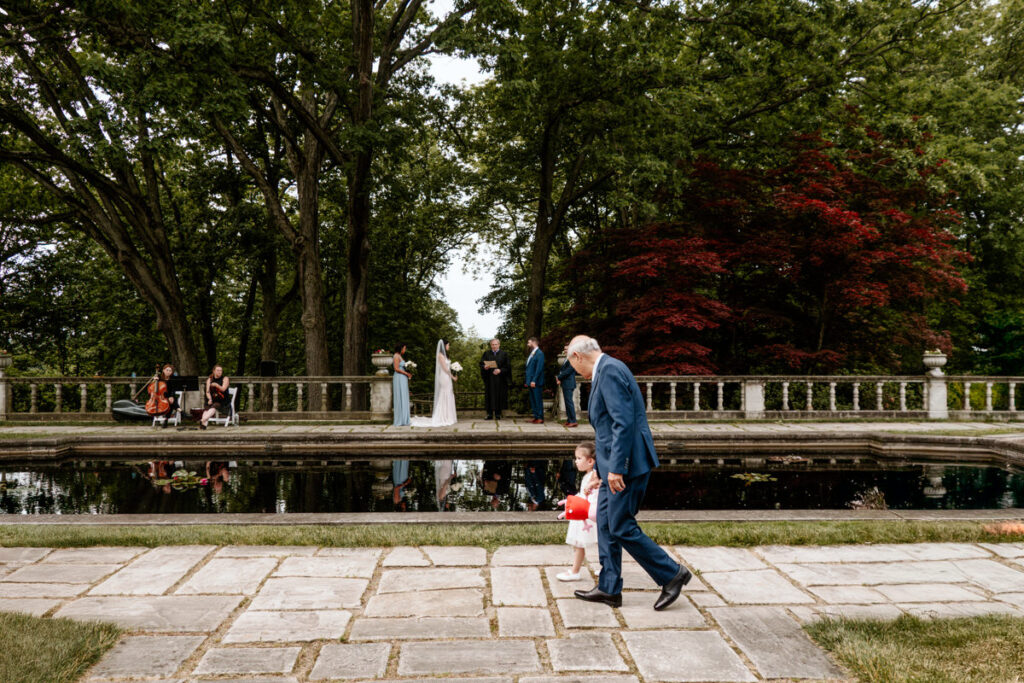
{"x": 400, "y": 391}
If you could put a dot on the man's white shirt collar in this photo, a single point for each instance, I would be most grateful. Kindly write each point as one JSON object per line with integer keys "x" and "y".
{"x": 533, "y": 352}
{"x": 597, "y": 362}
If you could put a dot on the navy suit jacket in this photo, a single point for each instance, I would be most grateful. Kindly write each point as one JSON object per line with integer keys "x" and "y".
{"x": 567, "y": 376}
{"x": 618, "y": 413}
{"x": 535, "y": 369}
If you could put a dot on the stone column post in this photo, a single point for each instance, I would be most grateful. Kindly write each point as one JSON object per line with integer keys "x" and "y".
{"x": 380, "y": 397}
{"x": 6, "y": 407}
{"x": 937, "y": 407}
{"x": 753, "y": 399}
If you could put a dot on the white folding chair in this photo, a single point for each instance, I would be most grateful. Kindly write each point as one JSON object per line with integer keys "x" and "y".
{"x": 175, "y": 417}
{"x": 232, "y": 417}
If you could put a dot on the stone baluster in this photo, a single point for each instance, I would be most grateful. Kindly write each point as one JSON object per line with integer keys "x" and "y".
{"x": 298, "y": 397}
{"x": 650, "y": 395}
{"x": 323, "y": 397}
{"x": 58, "y": 391}
{"x": 967, "y": 395}
{"x": 856, "y": 395}
{"x": 832, "y": 396}
{"x": 274, "y": 396}
{"x": 878, "y": 396}
{"x": 924, "y": 395}
{"x": 84, "y": 397}
{"x": 348, "y": 397}
{"x": 721, "y": 396}
{"x": 696, "y": 395}
{"x": 810, "y": 396}
{"x": 988, "y": 397}
{"x": 33, "y": 398}
{"x": 1013, "y": 397}
{"x": 785, "y": 395}
{"x": 672, "y": 396}
{"x": 251, "y": 403}
{"x": 109, "y": 398}
{"x": 903, "y": 396}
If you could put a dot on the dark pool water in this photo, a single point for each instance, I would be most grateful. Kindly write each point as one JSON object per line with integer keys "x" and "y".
{"x": 315, "y": 485}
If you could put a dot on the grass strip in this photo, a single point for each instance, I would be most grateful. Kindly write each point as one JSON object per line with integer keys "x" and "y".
{"x": 968, "y": 650}
{"x": 736, "y": 534}
{"x": 34, "y": 649}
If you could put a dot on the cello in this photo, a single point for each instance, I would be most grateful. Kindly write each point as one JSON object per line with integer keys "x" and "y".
{"x": 157, "y": 403}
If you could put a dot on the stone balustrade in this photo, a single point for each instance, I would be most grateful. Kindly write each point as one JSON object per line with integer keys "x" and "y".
{"x": 931, "y": 395}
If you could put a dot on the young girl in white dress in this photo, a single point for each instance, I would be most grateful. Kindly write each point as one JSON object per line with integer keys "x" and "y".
{"x": 583, "y": 532}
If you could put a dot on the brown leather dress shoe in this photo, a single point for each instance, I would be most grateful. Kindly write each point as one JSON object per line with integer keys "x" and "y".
{"x": 572, "y": 424}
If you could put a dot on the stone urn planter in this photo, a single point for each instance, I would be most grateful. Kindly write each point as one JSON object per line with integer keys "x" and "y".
{"x": 934, "y": 361}
{"x": 381, "y": 361}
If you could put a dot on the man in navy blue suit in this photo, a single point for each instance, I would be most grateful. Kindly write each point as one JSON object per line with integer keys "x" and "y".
{"x": 535, "y": 380}
{"x": 625, "y": 458}
{"x": 567, "y": 381}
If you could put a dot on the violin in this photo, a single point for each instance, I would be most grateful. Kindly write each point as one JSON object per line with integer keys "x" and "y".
{"x": 157, "y": 403}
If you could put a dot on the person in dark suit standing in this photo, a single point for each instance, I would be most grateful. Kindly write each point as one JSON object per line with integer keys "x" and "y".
{"x": 496, "y": 370}
{"x": 625, "y": 458}
{"x": 567, "y": 381}
{"x": 535, "y": 380}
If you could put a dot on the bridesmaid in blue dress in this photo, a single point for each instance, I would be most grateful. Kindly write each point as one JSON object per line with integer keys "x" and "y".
{"x": 400, "y": 388}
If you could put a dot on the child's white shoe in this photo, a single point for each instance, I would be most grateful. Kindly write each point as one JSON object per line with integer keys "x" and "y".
{"x": 568, "y": 576}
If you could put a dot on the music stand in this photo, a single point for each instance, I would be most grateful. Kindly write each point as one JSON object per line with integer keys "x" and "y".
{"x": 184, "y": 385}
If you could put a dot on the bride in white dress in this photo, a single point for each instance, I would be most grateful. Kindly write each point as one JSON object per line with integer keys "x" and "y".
{"x": 444, "y": 392}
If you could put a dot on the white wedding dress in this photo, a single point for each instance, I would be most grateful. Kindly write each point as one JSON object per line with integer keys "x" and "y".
{"x": 444, "y": 394}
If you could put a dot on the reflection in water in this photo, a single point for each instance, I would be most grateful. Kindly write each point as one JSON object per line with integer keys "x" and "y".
{"x": 120, "y": 487}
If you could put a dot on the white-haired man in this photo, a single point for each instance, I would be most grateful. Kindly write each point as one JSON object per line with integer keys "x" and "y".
{"x": 625, "y": 458}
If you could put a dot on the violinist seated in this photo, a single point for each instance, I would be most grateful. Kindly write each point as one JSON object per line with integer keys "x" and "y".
{"x": 217, "y": 398}
{"x": 161, "y": 403}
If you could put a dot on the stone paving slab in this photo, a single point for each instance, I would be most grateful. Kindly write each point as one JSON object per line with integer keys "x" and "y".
{"x": 580, "y": 614}
{"x": 856, "y": 574}
{"x": 456, "y": 556}
{"x": 427, "y": 628}
{"x": 515, "y": 622}
{"x": 930, "y": 592}
{"x": 186, "y": 614}
{"x": 685, "y": 656}
{"x": 241, "y": 576}
{"x": 60, "y": 573}
{"x": 95, "y": 555}
{"x": 531, "y": 555}
{"x": 1012, "y": 598}
{"x": 468, "y": 656}
{"x": 465, "y": 602}
{"x": 719, "y": 559}
{"x": 37, "y": 607}
{"x": 414, "y": 580}
{"x": 154, "y": 572}
{"x": 759, "y": 587}
{"x": 406, "y": 557}
{"x": 328, "y": 567}
{"x": 147, "y": 656}
{"x": 42, "y": 590}
{"x": 585, "y": 652}
{"x": 248, "y": 660}
{"x": 287, "y": 627}
{"x": 23, "y": 554}
{"x": 294, "y": 592}
{"x": 959, "y": 609}
{"x": 266, "y": 551}
{"x": 871, "y": 553}
{"x": 579, "y": 679}
{"x": 638, "y": 612}
{"x": 774, "y": 642}
{"x": 517, "y": 586}
{"x": 848, "y": 595}
{"x": 351, "y": 660}
{"x": 1005, "y": 549}
{"x": 991, "y": 575}
{"x": 886, "y": 612}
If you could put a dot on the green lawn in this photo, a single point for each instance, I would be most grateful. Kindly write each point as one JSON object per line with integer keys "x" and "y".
{"x": 975, "y": 650}
{"x": 737, "y": 534}
{"x": 33, "y": 649}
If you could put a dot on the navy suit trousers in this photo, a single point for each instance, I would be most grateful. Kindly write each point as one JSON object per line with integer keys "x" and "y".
{"x": 537, "y": 402}
{"x": 570, "y": 407}
{"x": 617, "y": 530}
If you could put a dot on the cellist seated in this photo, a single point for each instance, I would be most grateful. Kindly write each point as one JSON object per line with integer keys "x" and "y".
{"x": 159, "y": 403}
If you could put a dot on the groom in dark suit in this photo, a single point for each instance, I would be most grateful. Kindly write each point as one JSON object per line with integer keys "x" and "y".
{"x": 625, "y": 458}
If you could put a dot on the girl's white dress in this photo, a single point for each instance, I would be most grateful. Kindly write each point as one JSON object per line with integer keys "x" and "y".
{"x": 583, "y": 532}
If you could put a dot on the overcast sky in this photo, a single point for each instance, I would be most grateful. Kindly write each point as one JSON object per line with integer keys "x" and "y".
{"x": 461, "y": 290}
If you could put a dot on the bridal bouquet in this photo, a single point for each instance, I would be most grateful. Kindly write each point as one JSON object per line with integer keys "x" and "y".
{"x": 409, "y": 365}
{"x": 456, "y": 367}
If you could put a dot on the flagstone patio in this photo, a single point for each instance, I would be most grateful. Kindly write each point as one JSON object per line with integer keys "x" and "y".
{"x": 290, "y": 614}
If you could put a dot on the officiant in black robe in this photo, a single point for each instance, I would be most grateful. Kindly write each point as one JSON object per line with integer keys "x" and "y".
{"x": 496, "y": 380}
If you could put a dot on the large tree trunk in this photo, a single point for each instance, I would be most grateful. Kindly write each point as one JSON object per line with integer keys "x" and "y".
{"x": 243, "y": 342}
{"x": 544, "y": 235}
